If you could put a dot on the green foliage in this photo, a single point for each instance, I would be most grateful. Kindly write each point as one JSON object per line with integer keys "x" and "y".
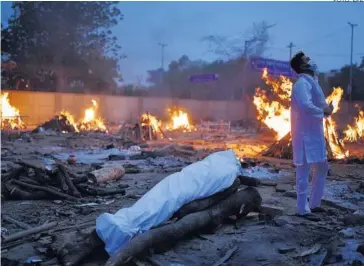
{"x": 233, "y": 75}
{"x": 341, "y": 78}
{"x": 73, "y": 39}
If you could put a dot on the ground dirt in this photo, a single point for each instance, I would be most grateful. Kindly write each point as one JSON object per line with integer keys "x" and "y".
{"x": 258, "y": 239}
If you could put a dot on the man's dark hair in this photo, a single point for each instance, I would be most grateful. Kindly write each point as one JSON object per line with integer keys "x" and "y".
{"x": 296, "y": 62}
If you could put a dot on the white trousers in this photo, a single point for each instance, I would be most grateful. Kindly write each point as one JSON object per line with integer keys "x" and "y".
{"x": 317, "y": 187}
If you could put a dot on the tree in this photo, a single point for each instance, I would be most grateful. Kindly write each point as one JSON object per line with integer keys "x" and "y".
{"x": 253, "y": 42}
{"x": 177, "y": 82}
{"x": 237, "y": 49}
{"x": 72, "y": 39}
{"x": 340, "y": 78}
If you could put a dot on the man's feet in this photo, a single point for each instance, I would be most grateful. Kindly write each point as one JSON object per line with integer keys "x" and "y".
{"x": 309, "y": 216}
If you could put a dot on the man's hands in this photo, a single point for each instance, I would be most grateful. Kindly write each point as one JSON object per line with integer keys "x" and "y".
{"x": 328, "y": 110}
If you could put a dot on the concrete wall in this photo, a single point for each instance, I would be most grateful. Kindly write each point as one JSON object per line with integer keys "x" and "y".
{"x": 42, "y": 106}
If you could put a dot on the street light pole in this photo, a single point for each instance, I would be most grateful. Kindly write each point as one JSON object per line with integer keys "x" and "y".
{"x": 350, "y": 87}
{"x": 290, "y": 46}
{"x": 162, "y": 45}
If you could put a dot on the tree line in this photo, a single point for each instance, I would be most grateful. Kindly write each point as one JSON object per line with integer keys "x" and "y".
{"x": 61, "y": 45}
{"x": 69, "y": 47}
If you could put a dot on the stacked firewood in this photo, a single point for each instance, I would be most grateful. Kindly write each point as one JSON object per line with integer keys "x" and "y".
{"x": 283, "y": 149}
{"x": 204, "y": 214}
{"x": 30, "y": 180}
{"x": 59, "y": 123}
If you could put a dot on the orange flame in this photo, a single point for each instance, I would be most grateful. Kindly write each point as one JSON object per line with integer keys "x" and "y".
{"x": 180, "y": 120}
{"x": 276, "y": 113}
{"x": 273, "y": 113}
{"x": 90, "y": 121}
{"x": 70, "y": 119}
{"x": 10, "y": 116}
{"x": 150, "y": 120}
{"x": 331, "y": 135}
{"x": 355, "y": 132}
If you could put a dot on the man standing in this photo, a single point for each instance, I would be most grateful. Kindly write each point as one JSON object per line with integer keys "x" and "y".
{"x": 308, "y": 108}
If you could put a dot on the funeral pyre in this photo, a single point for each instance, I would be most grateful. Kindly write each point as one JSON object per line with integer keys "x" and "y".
{"x": 355, "y": 132}
{"x": 273, "y": 108}
{"x": 10, "y": 116}
{"x": 65, "y": 121}
{"x": 151, "y": 128}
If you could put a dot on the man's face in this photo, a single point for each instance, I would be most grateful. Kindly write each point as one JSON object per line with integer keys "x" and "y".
{"x": 305, "y": 59}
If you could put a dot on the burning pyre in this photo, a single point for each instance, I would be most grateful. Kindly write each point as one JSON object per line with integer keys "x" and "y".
{"x": 65, "y": 122}
{"x": 90, "y": 121}
{"x": 274, "y": 111}
{"x": 151, "y": 126}
{"x": 178, "y": 121}
{"x": 355, "y": 132}
{"x": 10, "y": 116}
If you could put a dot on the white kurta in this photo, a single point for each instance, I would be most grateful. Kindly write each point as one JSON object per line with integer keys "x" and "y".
{"x": 307, "y": 104}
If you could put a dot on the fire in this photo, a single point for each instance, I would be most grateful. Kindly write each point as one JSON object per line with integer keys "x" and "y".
{"x": 276, "y": 113}
{"x": 150, "y": 120}
{"x": 336, "y": 145}
{"x": 180, "y": 120}
{"x": 10, "y": 116}
{"x": 355, "y": 132}
{"x": 272, "y": 113}
{"x": 90, "y": 121}
{"x": 70, "y": 119}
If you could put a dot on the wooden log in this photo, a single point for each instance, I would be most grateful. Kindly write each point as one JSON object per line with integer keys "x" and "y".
{"x": 16, "y": 193}
{"x": 202, "y": 204}
{"x": 35, "y": 165}
{"x": 354, "y": 219}
{"x": 249, "y": 181}
{"x": 185, "y": 152}
{"x": 97, "y": 191}
{"x": 16, "y": 222}
{"x": 148, "y": 154}
{"x": 78, "y": 178}
{"x": 63, "y": 170}
{"x": 62, "y": 181}
{"x": 14, "y": 174}
{"x": 29, "y": 232}
{"x": 45, "y": 189}
{"x": 106, "y": 174}
{"x": 188, "y": 224}
{"x": 69, "y": 257}
{"x": 28, "y": 180}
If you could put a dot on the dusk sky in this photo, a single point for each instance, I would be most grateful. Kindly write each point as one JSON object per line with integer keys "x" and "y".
{"x": 318, "y": 28}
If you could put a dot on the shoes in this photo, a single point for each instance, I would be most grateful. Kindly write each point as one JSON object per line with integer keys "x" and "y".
{"x": 309, "y": 216}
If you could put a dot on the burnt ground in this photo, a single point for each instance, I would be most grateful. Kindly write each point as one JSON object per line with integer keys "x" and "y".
{"x": 274, "y": 237}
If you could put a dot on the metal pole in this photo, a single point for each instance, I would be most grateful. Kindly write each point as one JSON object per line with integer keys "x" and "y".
{"x": 351, "y": 60}
{"x": 162, "y": 45}
{"x": 290, "y": 46}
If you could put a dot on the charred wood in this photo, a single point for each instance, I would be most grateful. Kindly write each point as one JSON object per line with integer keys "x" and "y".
{"x": 28, "y": 232}
{"x": 97, "y": 191}
{"x": 202, "y": 204}
{"x": 15, "y": 193}
{"x": 16, "y": 222}
{"x": 62, "y": 170}
{"x": 45, "y": 189}
{"x": 188, "y": 224}
{"x": 14, "y": 174}
{"x": 249, "y": 181}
